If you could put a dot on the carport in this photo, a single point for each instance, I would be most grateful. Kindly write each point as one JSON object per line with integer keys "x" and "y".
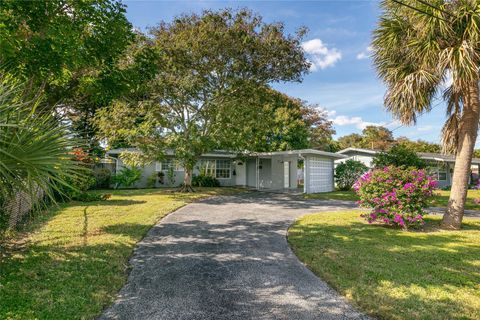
{"x": 278, "y": 170}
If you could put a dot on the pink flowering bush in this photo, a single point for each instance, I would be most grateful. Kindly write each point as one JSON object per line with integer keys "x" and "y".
{"x": 397, "y": 196}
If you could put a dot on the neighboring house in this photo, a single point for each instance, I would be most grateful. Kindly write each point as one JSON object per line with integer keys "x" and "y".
{"x": 439, "y": 165}
{"x": 261, "y": 171}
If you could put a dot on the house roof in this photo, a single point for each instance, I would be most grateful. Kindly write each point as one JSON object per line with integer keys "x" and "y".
{"x": 216, "y": 153}
{"x": 302, "y": 152}
{"x": 423, "y": 155}
{"x": 359, "y": 150}
{"x": 442, "y": 157}
{"x": 226, "y": 154}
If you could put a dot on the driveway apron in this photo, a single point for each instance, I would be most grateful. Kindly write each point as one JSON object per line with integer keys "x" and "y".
{"x": 227, "y": 257}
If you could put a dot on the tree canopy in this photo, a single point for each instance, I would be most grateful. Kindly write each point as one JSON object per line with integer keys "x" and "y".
{"x": 398, "y": 156}
{"x": 70, "y": 49}
{"x": 211, "y": 70}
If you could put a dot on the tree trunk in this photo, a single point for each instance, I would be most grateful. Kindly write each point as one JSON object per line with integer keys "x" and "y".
{"x": 467, "y": 136}
{"x": 187, "y": 181}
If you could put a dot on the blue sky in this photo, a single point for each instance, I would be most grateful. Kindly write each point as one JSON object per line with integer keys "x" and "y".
{"x": 342, "y": 79}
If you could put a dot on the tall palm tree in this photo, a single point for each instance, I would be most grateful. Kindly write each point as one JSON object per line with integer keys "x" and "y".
{"x": 34, "y": 147}
{"x": 423, "y": 50}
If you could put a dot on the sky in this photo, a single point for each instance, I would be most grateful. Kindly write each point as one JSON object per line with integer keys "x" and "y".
{"x": 341, "y": 79}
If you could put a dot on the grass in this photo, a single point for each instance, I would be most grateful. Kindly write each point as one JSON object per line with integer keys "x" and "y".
{"x": 335, "y": 195}
{"x": 439, "y": 200}
{"x": 390, "y": 273}
{"x": 74, "y": 260}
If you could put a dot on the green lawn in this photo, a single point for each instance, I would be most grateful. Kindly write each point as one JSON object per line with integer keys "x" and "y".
{"x": 390, "y": 273}
{"x": 335, "y": 195}
{"x": 439, "y": 200}
{"x": 76, "y": 257}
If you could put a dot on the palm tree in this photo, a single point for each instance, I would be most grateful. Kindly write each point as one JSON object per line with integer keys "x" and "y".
{"x": 34, "y": 148}
{"x": 423, "y": 50}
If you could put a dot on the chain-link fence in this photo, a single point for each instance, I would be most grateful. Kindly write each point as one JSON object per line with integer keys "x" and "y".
{"x": 16, "y": 208}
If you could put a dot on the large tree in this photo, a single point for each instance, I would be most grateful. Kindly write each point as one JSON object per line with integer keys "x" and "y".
{"x": 210, "y": 68}
{"x": 418, "y": 45}
{"x": 376, "y": 137}
{"x": 320, "y": 129}
{"x": 353, "y": 140}
{"x": 70, "y": 49}
{"x": 419, "y": 145}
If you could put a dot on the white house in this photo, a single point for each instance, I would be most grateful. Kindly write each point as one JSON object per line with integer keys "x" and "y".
{"x": 260, "y": 171}
{"x": 439, "y": 165}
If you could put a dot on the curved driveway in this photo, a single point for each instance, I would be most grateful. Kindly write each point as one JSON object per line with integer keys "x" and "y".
{"x": 227, "y": 258}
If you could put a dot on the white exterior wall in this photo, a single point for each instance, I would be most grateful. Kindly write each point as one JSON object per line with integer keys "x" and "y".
{"x": 271, "y": 174}
{"x": 366, "y": 160}
{"x": 318, "y": 174}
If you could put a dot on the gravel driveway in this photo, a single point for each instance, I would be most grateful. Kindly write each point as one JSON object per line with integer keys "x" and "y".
{"x": 227, "y": 258}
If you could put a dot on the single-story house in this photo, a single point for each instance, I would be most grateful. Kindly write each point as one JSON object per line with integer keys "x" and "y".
{"x": 260, "y": 171}
{"x": 439, "y": 165}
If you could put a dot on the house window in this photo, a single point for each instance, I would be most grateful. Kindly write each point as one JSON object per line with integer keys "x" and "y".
{"x": 439, "y": 173}
{"x": 220, "y": 169}
{"x": 167, "y": 165}
{"x": 223, "y": 169}
{"x": 207, "y": 168}
{"x": 442, "y": 175}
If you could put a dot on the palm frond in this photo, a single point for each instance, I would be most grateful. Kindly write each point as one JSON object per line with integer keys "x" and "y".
{"x": 34, "y": 147}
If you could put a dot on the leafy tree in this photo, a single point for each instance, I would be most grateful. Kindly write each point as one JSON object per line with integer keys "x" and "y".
{"x": 71, "y": 49}
{"x": 348, "y": 172}
{"x": 287, "y": 123}
{"x": 398, "y": 156}
{"x": 320, "y": 129}
{"x": 376, "y": 137}
{"x": 476, "y": 153}
{"x": 353, "y": 140}
{"x": 417, "y": 46}
{"x": 209, "y": 70}
{"x": 269, "y": 120}
{"x": 419, "y": 145}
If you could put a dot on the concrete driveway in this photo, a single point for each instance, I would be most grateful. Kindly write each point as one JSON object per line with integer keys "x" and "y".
{"x": 228, "y": 258}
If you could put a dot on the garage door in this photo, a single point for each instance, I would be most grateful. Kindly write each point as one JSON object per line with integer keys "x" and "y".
{"x": 320, "y": 175}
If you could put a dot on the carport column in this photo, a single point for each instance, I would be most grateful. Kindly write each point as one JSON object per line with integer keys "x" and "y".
{"x": 257, "y": 173}
{"x": 305, "y": 174}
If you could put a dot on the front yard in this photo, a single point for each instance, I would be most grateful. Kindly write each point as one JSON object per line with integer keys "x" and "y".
{"x": 75, "y": 259}
{"x": 390, "y": 273}
{"x": 439, "y": 200}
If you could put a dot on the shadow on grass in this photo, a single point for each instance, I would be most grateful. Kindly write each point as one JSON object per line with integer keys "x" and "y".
{"x": 392, "y": 273}
{"x": 111, "y": 202}
{"x": 135, "y": 230}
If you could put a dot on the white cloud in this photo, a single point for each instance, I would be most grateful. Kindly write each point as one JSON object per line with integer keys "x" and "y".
{"x": 365, "y": 54}
{"x": 358, "y": 122}
{"x": 319, "y": 55}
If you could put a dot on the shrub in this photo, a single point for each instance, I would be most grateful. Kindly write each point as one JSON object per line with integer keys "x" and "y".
{"x": 152, "y": 180}
{"x": 397, "y": 196}
{"x": 127, "y": 177}
{"x": 102, "y": 178}
{"x": 399, "y": 156}
{"x": 205, "y": 181}
{"x": 90, "y": 196}
{"x": 346, "y": 173}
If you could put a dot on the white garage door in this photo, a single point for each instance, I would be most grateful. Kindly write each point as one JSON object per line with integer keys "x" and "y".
{"x": 320, "y": 175}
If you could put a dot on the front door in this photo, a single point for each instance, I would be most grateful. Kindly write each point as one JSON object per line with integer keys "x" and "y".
{"x": 286, "y": 174}
{"x": 241, "y": 173}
